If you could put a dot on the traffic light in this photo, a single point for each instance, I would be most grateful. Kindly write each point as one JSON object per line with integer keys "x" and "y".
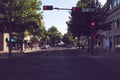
{"x": 46, "y": 7}
{"x": 75, "y": 9}
{"x": 95, "y": 36}
{"x": 93, "y": 24}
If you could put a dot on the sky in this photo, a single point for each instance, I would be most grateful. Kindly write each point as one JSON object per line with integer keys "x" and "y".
{"x": 58, "y": 18}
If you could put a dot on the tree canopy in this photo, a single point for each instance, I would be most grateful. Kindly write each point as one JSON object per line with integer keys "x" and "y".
{"x": 20, "y": 15}
{"x": 80, "y": 22}
{"x": 54, "y": 35}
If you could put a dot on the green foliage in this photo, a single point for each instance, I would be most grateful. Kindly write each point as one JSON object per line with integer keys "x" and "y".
{"x": 20, "y": 15}
{"x": 26, "y": 33}
{"x": 80, "y": 22}
{"x": 44, "y": 35}
{"x": 35, "y": 39}
{"x": 84, "y": 3}
{"x": 54, "y": 35}
{"x": 68, "y": 38}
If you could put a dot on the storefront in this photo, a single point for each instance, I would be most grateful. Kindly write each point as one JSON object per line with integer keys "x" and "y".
{"x": 117, "y": 42}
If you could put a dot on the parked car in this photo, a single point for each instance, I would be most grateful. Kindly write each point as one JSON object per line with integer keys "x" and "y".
{"x": 45, "y": 46}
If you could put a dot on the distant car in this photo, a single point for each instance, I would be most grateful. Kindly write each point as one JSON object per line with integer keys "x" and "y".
{"x": 45, "y": 46}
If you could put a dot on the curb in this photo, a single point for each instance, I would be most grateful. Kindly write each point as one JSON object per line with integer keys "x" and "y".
{"x": 5, "y": 55}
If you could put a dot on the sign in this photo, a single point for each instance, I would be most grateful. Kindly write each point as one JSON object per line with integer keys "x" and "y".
{"x": 88, "y": 10}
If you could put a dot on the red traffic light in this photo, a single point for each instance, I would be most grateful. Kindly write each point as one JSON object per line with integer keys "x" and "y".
{"x": 92, "y": 23}
{"x": 44, "y": 7}
{"x": 75, "y": 9}
{"x": 47, "y": 7}
{"x": 94, "y": 36}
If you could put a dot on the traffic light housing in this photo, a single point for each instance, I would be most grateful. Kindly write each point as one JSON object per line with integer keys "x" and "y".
{"x": 95, "y": 36}
{"x": 76, "y": 9}
{"x": 47, "y": 7}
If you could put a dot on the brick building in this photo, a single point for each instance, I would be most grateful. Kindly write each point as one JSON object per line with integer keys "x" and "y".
{"x": 112, "y": 22}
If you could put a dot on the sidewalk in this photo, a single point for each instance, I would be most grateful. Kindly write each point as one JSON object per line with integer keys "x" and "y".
{"x": 17, "y": 53}
{"x": 100, "y": 53}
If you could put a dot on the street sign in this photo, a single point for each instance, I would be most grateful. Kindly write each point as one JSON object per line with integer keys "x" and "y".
{"x": 88, "y": 10}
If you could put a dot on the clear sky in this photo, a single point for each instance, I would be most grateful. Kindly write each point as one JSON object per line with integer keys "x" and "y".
{"x": 59, "y": 18}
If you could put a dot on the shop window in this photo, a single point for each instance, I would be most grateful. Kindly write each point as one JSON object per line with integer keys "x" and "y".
{"x": 117, "y": 42}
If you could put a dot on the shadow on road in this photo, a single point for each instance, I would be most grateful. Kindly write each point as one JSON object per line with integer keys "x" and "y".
{"x": 65, "y": 52}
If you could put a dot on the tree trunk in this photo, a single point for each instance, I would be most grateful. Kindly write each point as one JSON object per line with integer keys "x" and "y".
{"x": 22, "y": 43}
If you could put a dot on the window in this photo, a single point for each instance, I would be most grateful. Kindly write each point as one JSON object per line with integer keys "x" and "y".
{"x": 115, "y": 24}
{"x": 115, "y": 3}
{"x": 118, "y": 1}
{"x": 110, "y": 6}
{"x": 117, "y": 42}
{"x": 118, "y": 23}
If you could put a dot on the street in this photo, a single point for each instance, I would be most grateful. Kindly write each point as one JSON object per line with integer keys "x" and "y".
{"x": 59, "y": 64}
{"x": 60, "y": 40}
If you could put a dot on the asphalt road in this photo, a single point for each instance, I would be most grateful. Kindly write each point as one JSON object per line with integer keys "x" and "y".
{"x": 56, "y": 65}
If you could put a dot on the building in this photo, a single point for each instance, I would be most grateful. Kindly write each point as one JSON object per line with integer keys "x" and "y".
{"x": 112, "y": 23}
{"x": 3, "y": 42}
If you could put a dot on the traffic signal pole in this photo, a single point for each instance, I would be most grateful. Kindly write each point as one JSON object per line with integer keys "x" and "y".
{"x": 50, "y": 7}
{"x": 61, "y": 8}
{"x": 92, "y": 31}
{"x": 92, "y": 41}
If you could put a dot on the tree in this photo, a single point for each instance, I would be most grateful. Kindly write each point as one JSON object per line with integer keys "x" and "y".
{"x": 20, "y": 15}
{"x": 80, "y": 22}
{"x": 54, "y": 35}
{"x": 68, "y": 39}
{"x": 44, "y": 36}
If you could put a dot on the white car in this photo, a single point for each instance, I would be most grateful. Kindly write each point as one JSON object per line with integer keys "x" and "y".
{"x": 45, "y": 46}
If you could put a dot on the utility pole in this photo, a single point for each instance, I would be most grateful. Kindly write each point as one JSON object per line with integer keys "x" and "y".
{"x": 92, "y": 30}
{"x": 92, "y": 41}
